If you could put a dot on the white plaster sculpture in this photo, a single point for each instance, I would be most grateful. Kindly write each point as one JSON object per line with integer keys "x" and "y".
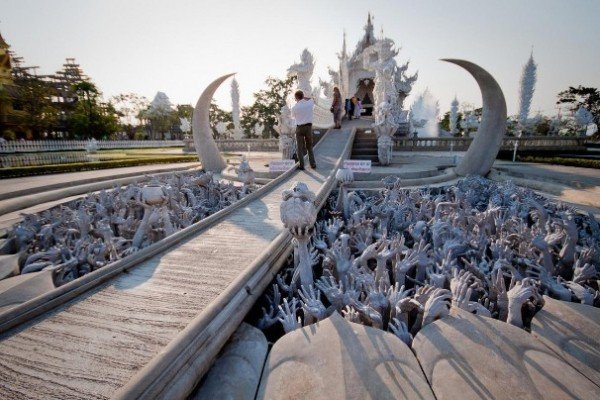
{"x": 389, "y": 260}
{"x": 327, "y": 88}
{"x": 344, "y": 177}
{"x": 526, "y": 90}
{"x": 298, "y": 214}
{"x": 385, "y": 127}
{"x": 258, "y": 129}
{"x": 207, "y": 149}
{"x": 91, "y": 146}
{"x": 286, "y": 128}
{"x": 185, "y": 126}
{"x": 454, "y": 116}
{"x": 303, "y": 71}
{"x": 384, "y": 67}
{"x": 246, "y": 175}
{"x": 238, "y": 133}
{"x": 485, "y": 146}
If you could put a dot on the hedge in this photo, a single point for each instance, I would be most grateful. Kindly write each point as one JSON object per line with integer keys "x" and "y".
{"x": 76, "y": 167}
{"x": 571, "y": 162}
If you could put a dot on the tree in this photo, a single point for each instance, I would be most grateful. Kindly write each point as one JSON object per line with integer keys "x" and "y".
{"x": 445, "y": 123}
{"x": 35, "y": 103}
{"x": 581, "y": 96}
{"x": 91, "y": 117}
{"x": 129, "y": 107}
{"x": 216, "y": 115}
{"x": 267, "y": 106}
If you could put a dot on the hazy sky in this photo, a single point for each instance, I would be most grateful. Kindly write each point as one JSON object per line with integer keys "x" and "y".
{"x": 178, "y": 47}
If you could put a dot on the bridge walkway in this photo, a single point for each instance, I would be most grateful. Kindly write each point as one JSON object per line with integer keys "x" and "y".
{"x": 93, "y": 345}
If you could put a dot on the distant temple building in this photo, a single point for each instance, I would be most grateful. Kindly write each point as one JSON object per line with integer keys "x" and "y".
{"x": 356, "y": 73}
{"x": 14, "y": 75}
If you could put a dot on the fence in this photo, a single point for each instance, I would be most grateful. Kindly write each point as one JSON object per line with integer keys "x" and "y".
{"x": 39, "y": 146}
{"x": 547, "y": 143}
{"x": 35, "y": 146}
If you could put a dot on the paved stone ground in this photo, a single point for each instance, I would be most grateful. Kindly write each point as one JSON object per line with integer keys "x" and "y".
{"x": 92, "y": 345}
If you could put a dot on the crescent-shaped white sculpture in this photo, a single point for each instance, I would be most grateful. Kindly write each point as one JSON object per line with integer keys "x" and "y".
{"x": 206, "y": 147}
{"x": 485, "y": 146}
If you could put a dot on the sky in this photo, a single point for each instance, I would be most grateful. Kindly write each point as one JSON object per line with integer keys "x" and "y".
{"x": 179, "y": 47}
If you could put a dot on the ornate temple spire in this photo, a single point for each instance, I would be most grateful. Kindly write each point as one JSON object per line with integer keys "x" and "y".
{"x": 369, "y": 37}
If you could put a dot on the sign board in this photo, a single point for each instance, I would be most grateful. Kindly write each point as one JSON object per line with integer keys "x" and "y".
{"x": 281, "y": 165}
{"x": 360, "y": 166}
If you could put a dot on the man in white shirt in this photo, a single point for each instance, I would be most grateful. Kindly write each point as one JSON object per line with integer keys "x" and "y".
{"x": 303, "y": 114}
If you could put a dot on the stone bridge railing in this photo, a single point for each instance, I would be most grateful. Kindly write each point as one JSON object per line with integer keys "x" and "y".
{"x": 563, "y": 143}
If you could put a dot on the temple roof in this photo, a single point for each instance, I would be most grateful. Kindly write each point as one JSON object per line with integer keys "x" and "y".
{"x": 367, "y": 40}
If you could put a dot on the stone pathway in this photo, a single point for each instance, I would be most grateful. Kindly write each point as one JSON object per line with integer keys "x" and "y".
{"x": 92, "y": 345}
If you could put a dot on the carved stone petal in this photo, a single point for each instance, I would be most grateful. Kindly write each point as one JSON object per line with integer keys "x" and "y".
{"x": 469, "y": 357}
{"x": 572, "y": 331}
{"x": 337, "y": 359}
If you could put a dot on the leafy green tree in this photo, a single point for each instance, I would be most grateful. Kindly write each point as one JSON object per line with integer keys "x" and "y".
{"x": 91, "y": 117}
{"x": 445, "y": 122}
{"x": 37, "y": 112}
{"x": 217, "y": 114}
{"x": 128, "y": 108}
{"x": 587, "y": 97}
{"x": 184, "y": 111}
{"x": 266, "y": 107}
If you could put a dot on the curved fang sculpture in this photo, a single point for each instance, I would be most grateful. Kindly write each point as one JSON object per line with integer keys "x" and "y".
{"x": 206, "y": 147}
{"x": 485, "y": 147}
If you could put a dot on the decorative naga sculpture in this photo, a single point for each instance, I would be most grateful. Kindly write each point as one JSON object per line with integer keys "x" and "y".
{"x": 385, "y": 127}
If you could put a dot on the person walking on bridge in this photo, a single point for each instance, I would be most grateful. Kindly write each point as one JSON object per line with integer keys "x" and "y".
{"x": 303, "y": 114}
{"x": 336, "y": 108}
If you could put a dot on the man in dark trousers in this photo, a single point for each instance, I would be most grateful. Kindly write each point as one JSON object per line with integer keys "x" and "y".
{"x": 303, "y": 114}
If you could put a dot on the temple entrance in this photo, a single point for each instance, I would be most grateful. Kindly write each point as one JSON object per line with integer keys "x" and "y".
{"x": 364, "y": 91}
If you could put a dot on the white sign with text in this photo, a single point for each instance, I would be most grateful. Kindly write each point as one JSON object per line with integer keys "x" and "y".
{"x": 281, "y": 165}
{"x": 360, "y": 166}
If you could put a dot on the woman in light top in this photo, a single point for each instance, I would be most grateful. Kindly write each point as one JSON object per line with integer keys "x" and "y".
{"x": 357, "y": 108}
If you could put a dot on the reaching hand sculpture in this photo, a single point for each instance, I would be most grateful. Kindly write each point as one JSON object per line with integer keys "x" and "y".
{"x": 246, "y": 176}
{"x": 388, "y": 260}
{"x": 298, "y": 214}
{"x": 88, "y": 233}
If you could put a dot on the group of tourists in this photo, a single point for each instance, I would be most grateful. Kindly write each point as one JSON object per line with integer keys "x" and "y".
{"x": 303, "y": 114}
{"x": 352, "y": 108}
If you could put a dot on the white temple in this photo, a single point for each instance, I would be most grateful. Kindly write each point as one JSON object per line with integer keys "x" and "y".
{"x": 360, "y": 74}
